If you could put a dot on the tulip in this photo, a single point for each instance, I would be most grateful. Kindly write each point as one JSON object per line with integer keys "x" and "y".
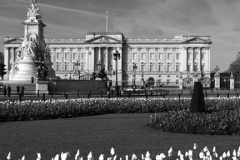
{"x": 115, "y": 157}
{"x": 134, "y": 157}
{"x": 220, "y": 158}
{"x": 77, "y": 155}
{"x": 38, "y": 156}
{"x": 101, "y": 157}
{"x": 214, "y": 149}
{"x": 228, "y": 153}
{"x": 195, "y": 146}
{"x": 112, "y": 151}
{"x": 56, "y": 157}
{"x": 90, "y": 156}
{"x": 205, "y": 149}
{"x": 126, "y": 157}
{"x": 234, "y": 153}
{"x": 143, "y": 157}
{"x": 23, "y": 158}
{"x": 9, "y": 156}
{"x": 179, "y": 152}
{"x": 158, "y": 157}
{"x": 224, "y": 155}
{"x": 234, "y": 158}
{"x": 162, "y": 156}
{"x": 64, "y": 156}
{"x": 186, "y": 154}
{"x": 201, "y": 155}
{"x": 181, "y": 157}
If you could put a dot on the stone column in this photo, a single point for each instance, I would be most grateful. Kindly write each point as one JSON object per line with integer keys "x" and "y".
{"x": 70, "y": 59}
{"x": 164, "y": 59}
{"x": 147, "y": 59}
{"x": 200, "y": 59}
{"x": 193, "y": 58}
{"x": 99, "y": 54}
{"x": 6, "y": 62}
{"x": 187, "y": 58}
{"x": 87, "y": 58}
{"x": 156, "y": 59}
{"x": 106, "y": 59}
{"x": 138, "y": 58}
{"x": 62, "y": 59}
{"x": 174, "y": 60}
{"x": 91, "y": 59}
{"x": 120, "y": 60}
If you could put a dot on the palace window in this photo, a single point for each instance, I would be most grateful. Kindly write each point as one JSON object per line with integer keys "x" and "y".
{"x": 143, "y": 56}
{"x": 168, "y": 81}
{"x": 82, "y": 67}
{"x": 66, "y": 67}
{"x": 202, "y": 67}
{"x": 188, "y": 67}
{"x": 83, "y": 56}
{"x": 189, "y": 56}
{"x": 169, "y": 67}
{"x": 177, "y": 67}
{"x": 58, "y": 55}
{"x": 151, "y": 67}
{"x": 134, "y": 55}
{"x": 58, "y": 66}
{"x": 203, "y": 55}
{"x": 195, "y": 55}
{"x": 66, "y": 55}
{"x": 74, "y": 55}
{"x": 151, "y": 55}
{"x": 160, "y": 67}
{"x": 177, "y": 81}
{"x": 195, "y": 67}
{"x": 169, "y": 55}
{"x": 177, "y": 56}
{"x": 142, "y": 67}
{"x": 160, "y": 55}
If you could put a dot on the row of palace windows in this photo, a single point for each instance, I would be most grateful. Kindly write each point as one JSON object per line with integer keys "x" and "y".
{"x": 169, "y": 56}
{"x": 196, "y": 55}
{"x": 67, "y": 55}
{"x": 66, "y": 67}
{"x": 160, "y": 56}
{"x": 169, "y": 67}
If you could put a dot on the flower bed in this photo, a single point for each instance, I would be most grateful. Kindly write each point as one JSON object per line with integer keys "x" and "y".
{"x": 61, "y": 108}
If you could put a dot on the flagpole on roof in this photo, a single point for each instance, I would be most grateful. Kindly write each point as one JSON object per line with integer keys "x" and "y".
{"x": 107, "y": 21}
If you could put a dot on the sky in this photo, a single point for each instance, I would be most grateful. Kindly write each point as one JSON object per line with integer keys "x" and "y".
{"x": 219, "y": 19}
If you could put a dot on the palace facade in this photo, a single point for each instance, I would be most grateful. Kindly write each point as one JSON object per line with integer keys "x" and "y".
{"x": 158, "y": 60}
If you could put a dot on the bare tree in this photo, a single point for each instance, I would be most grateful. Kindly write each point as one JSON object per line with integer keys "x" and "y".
{"x": 235, "y": 65}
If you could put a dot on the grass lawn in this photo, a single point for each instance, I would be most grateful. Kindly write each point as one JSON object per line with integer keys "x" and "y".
{"x": 127, "y": 133}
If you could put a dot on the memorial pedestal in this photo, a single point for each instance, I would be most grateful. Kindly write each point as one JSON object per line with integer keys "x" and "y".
{"x": 42, "y": 87}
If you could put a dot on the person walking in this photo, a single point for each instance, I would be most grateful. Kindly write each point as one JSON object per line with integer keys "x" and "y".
{"x": 32, "y": 79}
{"x": 1, "y": 87}
{"x": 9, "y": 89}
{"x": 5, "y": 91}
{"x": 22, "y": 91}
{"x": 18, "y": 89}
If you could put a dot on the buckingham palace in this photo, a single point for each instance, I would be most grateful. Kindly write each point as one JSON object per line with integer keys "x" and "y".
{"x": 155, "y": 59}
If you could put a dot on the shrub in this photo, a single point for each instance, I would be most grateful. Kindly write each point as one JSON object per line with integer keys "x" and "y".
{"x": 197, "y": 103}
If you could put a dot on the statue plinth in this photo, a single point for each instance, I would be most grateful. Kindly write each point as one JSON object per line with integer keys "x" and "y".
{"x": 26, "y": 69}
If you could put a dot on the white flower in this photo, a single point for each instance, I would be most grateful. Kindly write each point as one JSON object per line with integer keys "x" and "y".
{"x": 234, "y": 158}
{"x": 162, "y": 156}
{"x": 208, "y": 153}
{"x": 214, "y": 149}
{"x": 115, "y": 157}
{"x": 190, "y": 152}
{"x": 220, "y": 158}
{"x": 195, "y": 146}
{"x": 224, "y": 155}
{"x": 201, "y": 155}
{"x": 134, "y": 157}
{"x": 179, "y": 152}
{"x": 228, "y": 153}
{"x": 126, "y": 157}
{"x": 158, "y": 157}
{"x": 112, "y": 151}
{"x": 77, "y": 154}
{"x": 181, "y": 157}
{"x": 234, "y": 153}
{"x": 64, "y": 156}
{"x": 38, "y": 156}
{"x": 90, "y": 155}
{"x": 186, "y": 154}
{"x": 56, "y": 157}
{"x": 170, "y": 151}
{"x": 23, "y": 158}
{"x": 9, "y": 156}
{"x": 143, "y": 156}
{"x": 101, "y": 157}
{"x": 205, "y": 149}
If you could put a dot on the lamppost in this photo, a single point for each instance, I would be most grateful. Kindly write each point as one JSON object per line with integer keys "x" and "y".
{"x": 134, "y": 69}
{"x": 116, "y": 56}
{"x": 77, "y": 72}
{"x": 99, "y": 65}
